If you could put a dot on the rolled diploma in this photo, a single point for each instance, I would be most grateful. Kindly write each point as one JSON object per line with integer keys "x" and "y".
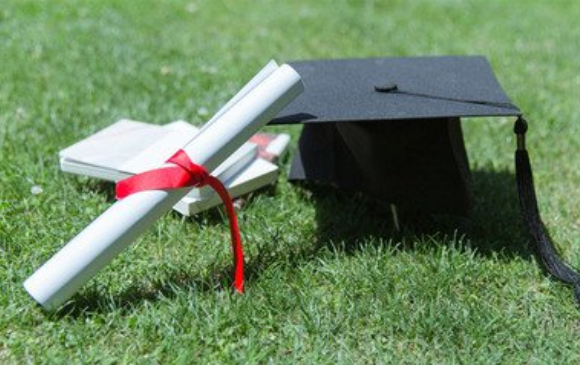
{"x": 92, "y": 249}
{"x": 256, "y": 80}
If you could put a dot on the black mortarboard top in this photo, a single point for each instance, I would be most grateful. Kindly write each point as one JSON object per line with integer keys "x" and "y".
{"x": 390, "y": 128}
{"x": 399, "y": 138}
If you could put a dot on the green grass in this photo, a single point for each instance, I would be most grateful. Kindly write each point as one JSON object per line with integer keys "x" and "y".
{"x": 321, "y": 287}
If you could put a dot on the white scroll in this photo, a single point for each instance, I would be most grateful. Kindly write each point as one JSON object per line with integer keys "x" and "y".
{"x": 93, "y": 248}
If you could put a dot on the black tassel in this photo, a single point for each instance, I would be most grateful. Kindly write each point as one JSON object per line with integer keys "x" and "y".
{"x": 539, "y": 236}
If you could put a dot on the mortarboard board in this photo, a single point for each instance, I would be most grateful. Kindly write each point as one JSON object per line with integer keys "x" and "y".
{"x": 390, "y": 128}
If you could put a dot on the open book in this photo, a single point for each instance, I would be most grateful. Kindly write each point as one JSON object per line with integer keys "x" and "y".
{"x": 129, "y": 147}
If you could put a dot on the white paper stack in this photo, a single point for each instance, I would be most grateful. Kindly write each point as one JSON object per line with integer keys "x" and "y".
{"x": 129, "y": 147}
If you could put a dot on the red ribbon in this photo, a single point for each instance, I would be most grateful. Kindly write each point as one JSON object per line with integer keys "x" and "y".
{"x": 185, "y": 173}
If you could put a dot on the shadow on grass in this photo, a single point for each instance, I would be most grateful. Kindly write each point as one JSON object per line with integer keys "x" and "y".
{"x": 495, "y": 225}
{"x": 349, "y": 221}
{"x": 91, "y": 302}
{"x": 346, "y": 222}
{"x": 104, "y": 188}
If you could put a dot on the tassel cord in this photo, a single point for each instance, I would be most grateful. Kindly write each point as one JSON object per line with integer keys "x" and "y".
{"x": 541, "y": 241}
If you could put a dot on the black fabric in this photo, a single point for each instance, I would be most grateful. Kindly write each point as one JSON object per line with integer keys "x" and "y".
{"x": 346, "y": 90}
{"x": 387, "y": 122}
{"x": 420, "y": 167}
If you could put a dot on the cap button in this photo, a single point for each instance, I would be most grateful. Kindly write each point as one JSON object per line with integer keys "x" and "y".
{"x": 386, "y": 88}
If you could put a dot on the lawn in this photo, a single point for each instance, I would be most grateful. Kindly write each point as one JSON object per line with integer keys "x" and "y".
{"x": 327, "y": 280}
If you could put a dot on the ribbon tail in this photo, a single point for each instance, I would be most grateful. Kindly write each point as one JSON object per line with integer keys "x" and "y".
{"x": 183, "y": 174}
{"x": 234, "y": 231}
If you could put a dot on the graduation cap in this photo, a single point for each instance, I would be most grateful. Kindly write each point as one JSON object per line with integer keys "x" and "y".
{"x": 390, "y": 128}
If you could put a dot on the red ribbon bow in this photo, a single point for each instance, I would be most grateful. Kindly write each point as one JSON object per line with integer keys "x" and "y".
{"x": 185, "y": 173}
